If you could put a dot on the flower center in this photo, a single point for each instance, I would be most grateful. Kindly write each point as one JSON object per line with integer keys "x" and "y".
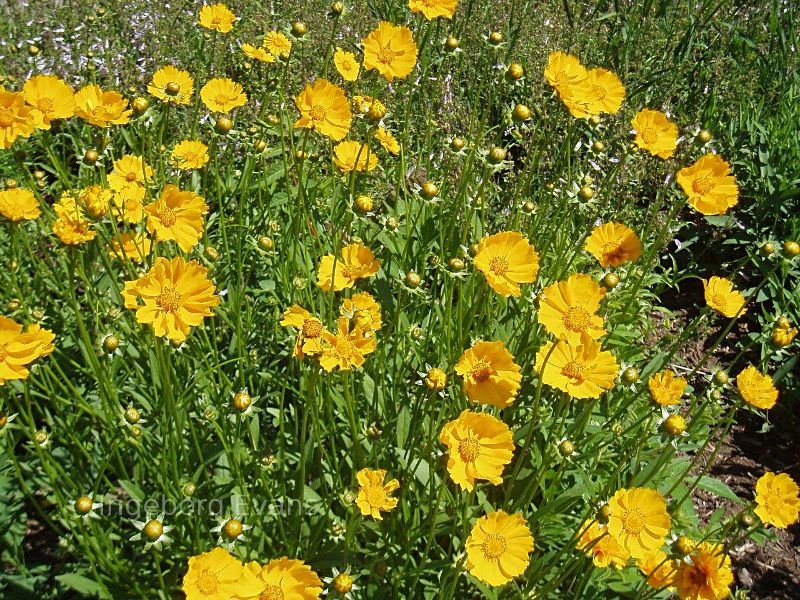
{"x": 351, "y": 271}
{"x": 499, "y": 265}
{"x": 130, "y": 177}
{"x": 469, "y": 449}
{"x": 347, "y": 64}
{"x": 167, "y": 216}
{"x": 573, "y": 370}
{"x": 649, "y": 135}
{"x": 376, "y": 496}
{"x": 612, "y": 250}
{"x": 45, "y": 105}
{"x": 312, "y": 328}
{"x": 718, "y": 299}
{"x": 221, "y": 99}
{"x": 168, "y": 300}
{"x": 703, "y": 185}
{"x": 318, "y": 113}
{"x": 481, "y": 371}
{"x": 6, "y": 117}
{"x": 772, "y": 500}
{"x": 633, "y": 521}
{"x": 600, "y": 92}
{"x": 387, "y": 55}
{"x": 207, "y": 583}
{"x": 344, "y": 347}
{"x": 494, "y": 545}
{"x": 272, "y": 592}
{"x": 576, "y": 319}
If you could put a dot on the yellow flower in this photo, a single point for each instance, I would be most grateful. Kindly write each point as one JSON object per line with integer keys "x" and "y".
{"x": 278, "y": 44}
{"x": 324, "y": 108}
{"x": 71, "y": 225}
{"x": 781, "y": 336}
{"x": 391, "y": 50}
{"x": 604, "y": 550}
{"x": 710, "y": 187}
{"x": 387, "y": 140}
{"x": 659, "y": 570}
{"x": 434, "y": 8}
{"x": 756, "y": 388}
{"x": 564, "y": 71}
{"x": 309, "y": 334}
{"x": 582, "y": 371}
{"x": 371, "y": 107}
{"x": 177, "y": 215}
{"x": 217, "y": 17}
{"x": 639, "y": 521}
{"x": 217, "y": 575}
{"x": 607, "y": 92}
{"x": 568, "y": 309}
{"x": 172, "y": 85}
{"x": 706, "y": 576}
{"x": 51, "y": 98}
{"x": 259, "y": 54}
{"x": 16, "y": 118}
{"x": 364, "y": 310}
{"x": 655, "y": 133}
{"x": 100, "y": 108}
{"x": 721, "y": 296}
{"x": 351, "y": 156}
{"x": 130, "y": 178}
{"x": 374, "y": 497}
{"x": 357, "y": 262}
{"x": 347, "y": 64}
{"x": 96, "y": 200}
{"x": 190, "y": 154}
{"x": 18, "y": 204}
{"x": 490, "y": 374}
{"x": 614, "y": 244}
{"x": 777, "y": 499}
{"x": 666, "y": 389}
{"x": 507, "y": 259}
{"x": 345, "y": 349}
{"x": 435, "y": 379}
{"x": 498, "y": 547}
{"x": 173, "y": 296}
{"x": 479, "y": 446}
{"x": 130, "y": 246}
{"x": 222, "y": 95}
{"x": 284, "y": 577}
{"x": 18, "y": 349}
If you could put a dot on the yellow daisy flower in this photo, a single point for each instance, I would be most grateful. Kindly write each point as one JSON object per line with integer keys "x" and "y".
{"x": 287, "y": 578}
{"x": 351, "y": 156}
{"x": 347, "y": 64}
{"x": 721, "y": 296}
{"x": 490, "y": 374}
{"x": 177, "y": 215}
{"x": 614, "y": 244}
{"x": 374, "y": 496}
{"x": 190, "y": 154}
{"x": 568, "y": 309}
{"x": 324, "y": 108}
{"x": 100, "y": 108}
{"x": 357, "y": 262}
{"x": 507, "y": 259}
{"x": 655, "y": 133}
{"x": 217, "y": 575}
{"x": 216, "y": 17}
{"x": 777, "y": 500}
{"x": 666, "y": 388}
{"x": 638, "y": 521}
{"x": 434, "y": 8}
{"x": 582, "y": 371}
{"x": 309, "y": 334}
{"x": 498, "y": 547}
{"x": 51, "y": 97}
{"x": 17, "y": 119}
{"x": 278, "y": 44}
{"x": 391, "y": 51}
{"x": 603, "y": 549}
{"x": 172, "y": 85}
{"x": 710, "y": 187}
{"x": 706, "y": 575}
{"x": 346, "y": 348}
{"x": 756, "y": 388}
{"x": 222, "y": 95}
{"x": 18, "y": 204}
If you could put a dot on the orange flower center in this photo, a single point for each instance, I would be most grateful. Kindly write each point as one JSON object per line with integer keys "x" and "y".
{"x": 167, "y": 216}
{"x": 318, "y": 113}
{"x": 45, "y": 105}
{"x": 469, "y": 449}
{"x": 376, "y": 496}
{"x": 347, "y": 64}
{"x": 6, "y": 117}
{"x": 633, "y": 521}
{"x": 649, "y": 135}
{"x": 499, "y": 265}
{"x": 600, "y": 91}
{"x": 573, "y": 370}
{"x": 168, "y": 300}
{"x": 772, "y": 500}
{"x": 351, "y": 271}
{"x": 718, "y": 299}
{"x": 386, "y": 56}
{"x": 576, "y": 319}
{"x": 312, "y": 328}
{"x": 344, "y": 347}
{"x": 481, "y": 371}
{"x": 207, "y": 583}
{"x": 494, "y": 545}
{"x": 272, "y": 592}
{"x": 612, "y": 251}
{"x": 703, "y": 185}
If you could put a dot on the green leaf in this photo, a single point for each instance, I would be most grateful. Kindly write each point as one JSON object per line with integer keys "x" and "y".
{"x": 82, "y": 585}
{"x": 718, "y": 488}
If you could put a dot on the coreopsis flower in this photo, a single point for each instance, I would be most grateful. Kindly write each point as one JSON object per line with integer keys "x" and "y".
{"x": 435, "y": 379}
{"x": 256, "y": 53}
{"x": 363, "y": 310}
{"x": 490, "y": 374}
{"x": 706, "y": 575}
{"x": 658, "y": 569}
{"x": 51, "y": 97}
{"x": 434, "y": 8}
{"x": 614, "y": 244}
{"x": 102, "y": 109}
{"x": 222, "y": 95}
{"x": 564, "y": 71}
{"x": 391, "y": 50}
{"x": 374, "y": 496}
{"x": 777, "y": 500}
{"x": 277, "y": 43}
{"x": 568, "y": 309}
{"x": 582, "y": 370}
{"x": 324, "y": 108}
{"x": 370, "y": 107}
{"x": 498, "y": 547}
{"x": 71, "y": 225}
{"x": 721, "y": 296}
{"x": 16, "y": 118}
{"x": 172, "y": 297}
{"x": 597, "y": 543}
{"x": 216, "y": 17}
{"x": 19, "y": 204}
{"x": 177, "y": 215}
{"x": 217, "y": 575}
{"x": 129, "y": 180}
{"x": 189, "y": 154}
{"x": 655, "y": 133}
{"x": 507, "y": 259}
{"x": 607, "y": 92}
{"x": 756, "y": 388}
{"x": 284, "y": 578}
{"x": 309, "y": 331}
{"x": 783, "y": 333}
{"x": 130, "y": 246}
{"x": 172, "y": 85}
{"x": 357, "y": 262}
{"x": 479, "y": 447}
{"x": 347, "y": 64}
{"x": 346, "y": 348}
{"x": 638, "y": 521}
{"x": 666, "y": 388}
{"x": 18, "y": 349}
{"x": 709, "y": 185}
{"x": 351, "y": 156}
{"x": 387, "y": 140}
{"x": 96, "y": 200}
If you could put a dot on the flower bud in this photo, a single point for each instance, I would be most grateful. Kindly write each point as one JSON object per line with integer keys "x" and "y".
{"x": 132, "y": 415}
{"x": 141, "y": 104}
{"x": 429, "y": 190}
{"x": 586, "y": 192}
{"x": 528, "y": 207}
{"x": 363, "y": 204}
{"x": 265, "y": 243}
{"x": 40, "y": 437}
{"x": 299, "y": 29}
{"x": 343, "y": 583}
{"x": 11, "y": 183}
{"x": 598, "y": 146}
{"x": 746, "y": 520}
{"x": 272, "y": 119}
{"x": 767, "y": 248}
{"x": 610, "y": 281}
{"x": 497, "y": 154}
{"x": 704, "y": 136}
{"x": 241, "y": 401}
{"x": 13, "y": 304}
{"x": 435, "y": 379}
{"x": 211, "y": 253}
{"x": 189, "y": 489}
{"x": 630, "y": 375}
{"x": 3, "y": 419}
{"x": 33, "y": 50}
{"x": 224, "y": 124}
{"x": 603, "y": 513}
{"x": 595, "y": 120}
{"x": 515, "y": 71}
{"x": 674, "y": 425}
{"x": 720, "y": 377}
{"x": 549, "y": 186}
{"x": 566, "y": 448}
{"x": 91, "y": 156}
{"x": 683, "y": 546}
{"x": 233, "y": 528}
{"x": 260, "y": 145}
{"x": 392, "y": 223}
{"x": 110, "y": 343}
{"x": 521, "y": 113}
{"x": 136, "y": 432}
{"x": 337, "y": 8}
{"x": 413, "y": 280}
{"x": 791, "y": 248}
{"x": 495, "y": 38}
{"x": 154, "y": 529}
{"x": 457, "y": 143}
{"x": 456, "y": 264}
{"x": 83, "y": 505}
{"x": 451, "y": 43}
